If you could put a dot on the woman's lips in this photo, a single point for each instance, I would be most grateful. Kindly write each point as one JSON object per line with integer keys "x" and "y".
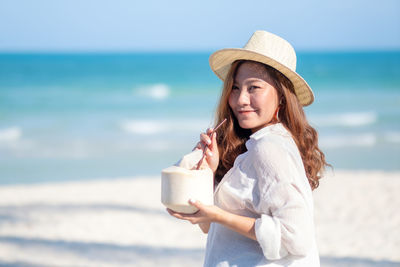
{"x": 243, "y": 112}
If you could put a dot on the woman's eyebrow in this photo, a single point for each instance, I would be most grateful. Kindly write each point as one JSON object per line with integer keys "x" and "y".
{"x": 254, "y": 80}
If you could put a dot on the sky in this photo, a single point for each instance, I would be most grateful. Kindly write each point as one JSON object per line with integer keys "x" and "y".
{"x": 129, "y": 25}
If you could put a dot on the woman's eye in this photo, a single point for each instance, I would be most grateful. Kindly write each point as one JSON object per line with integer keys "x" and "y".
{"x": 253, "y": 87}
{"x": 235, "y": 87}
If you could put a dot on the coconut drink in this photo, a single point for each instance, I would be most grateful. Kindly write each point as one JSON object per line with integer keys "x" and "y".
{"x": 179, "y": 184}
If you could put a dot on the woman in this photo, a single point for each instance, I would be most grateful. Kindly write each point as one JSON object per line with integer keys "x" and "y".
{"x": 265, "y": 159}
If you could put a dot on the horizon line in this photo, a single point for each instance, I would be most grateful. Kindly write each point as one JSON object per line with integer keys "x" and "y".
{"x": 186, "y": 51}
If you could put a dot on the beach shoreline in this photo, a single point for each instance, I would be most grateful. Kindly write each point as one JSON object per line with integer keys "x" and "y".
{"x": 121, "y": 222}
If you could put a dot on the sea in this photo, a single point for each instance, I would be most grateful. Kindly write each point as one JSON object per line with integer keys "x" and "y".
{"x": 68, "y": 117}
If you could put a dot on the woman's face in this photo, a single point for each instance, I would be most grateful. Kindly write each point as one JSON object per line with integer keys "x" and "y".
{"x": 253, "y": 99}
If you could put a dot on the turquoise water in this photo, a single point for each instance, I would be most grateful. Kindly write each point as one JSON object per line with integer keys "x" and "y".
{"x": 86, "y": 116}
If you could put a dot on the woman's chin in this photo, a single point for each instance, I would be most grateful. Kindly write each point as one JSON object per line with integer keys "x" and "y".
{"x": 252, "y": 126}
{"x": 247, "y": 126}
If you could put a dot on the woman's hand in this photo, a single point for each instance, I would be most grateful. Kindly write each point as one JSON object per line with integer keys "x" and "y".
{"x": 210, "y": 143}
{"x": 205, "y": 215}
{"x": 208, "y": 214}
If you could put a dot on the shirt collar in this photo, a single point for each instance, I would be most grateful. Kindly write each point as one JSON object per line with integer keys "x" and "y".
{"x": 276, "y": 128}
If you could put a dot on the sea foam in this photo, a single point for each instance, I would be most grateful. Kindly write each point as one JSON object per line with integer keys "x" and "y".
{"x": 143, "y": 127}
{"x": 156, "y": 91}
{"x": 10, "y": 134}
{"x": 392, "y": 137}
{"x": 359, "y": 140}
{"x": 352, "y": 119}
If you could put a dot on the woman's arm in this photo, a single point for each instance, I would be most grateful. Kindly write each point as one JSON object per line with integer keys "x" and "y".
{"x": 240, "y": 224}
{"x": 208, "y": 214}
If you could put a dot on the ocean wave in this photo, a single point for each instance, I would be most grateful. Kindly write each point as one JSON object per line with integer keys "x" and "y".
{"x": 360, "y": 140}
{"x": 143, "y": 127}
{"x": 10, "y": 134}
{"x": 43, "y": 149}
{"x": 156, "y": 91}
{"x": 351, "y": 119}
{"x": 392, "y": 137}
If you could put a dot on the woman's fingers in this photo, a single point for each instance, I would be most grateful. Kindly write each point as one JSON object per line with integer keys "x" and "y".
{"x": 175, "y": 214}
{"x": 178, "y": 215}
{"x": 205, "y": 139}
{"x": 188, "y": 217}
{"x": 214, "y": 141}
{"x": 205, "y": 213}
{"x": 208, "y": 138}
{"x": 208, "y": 143}
{"x": 196, "y": 203}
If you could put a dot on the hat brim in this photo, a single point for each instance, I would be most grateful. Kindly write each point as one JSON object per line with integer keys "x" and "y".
{"x": 221, "y": 61}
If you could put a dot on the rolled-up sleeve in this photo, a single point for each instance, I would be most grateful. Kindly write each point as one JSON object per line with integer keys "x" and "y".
{"x": 285, "y": 225}
{"x": 289, "y": 227}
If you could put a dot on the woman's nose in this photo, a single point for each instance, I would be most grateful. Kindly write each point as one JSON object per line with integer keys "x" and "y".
{"x": 243, "y": 98}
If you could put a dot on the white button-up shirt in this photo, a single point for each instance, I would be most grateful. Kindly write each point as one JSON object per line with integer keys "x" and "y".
{"x": 267, "y": 182}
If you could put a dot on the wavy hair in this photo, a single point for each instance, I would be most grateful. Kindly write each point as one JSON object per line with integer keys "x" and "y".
{"x": 231, "y": 138}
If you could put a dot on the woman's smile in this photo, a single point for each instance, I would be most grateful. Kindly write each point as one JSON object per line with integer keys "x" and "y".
{"x": 246, "y": 112}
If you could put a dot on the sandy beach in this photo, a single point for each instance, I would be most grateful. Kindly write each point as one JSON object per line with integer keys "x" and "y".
{"x": 121, "y": 222}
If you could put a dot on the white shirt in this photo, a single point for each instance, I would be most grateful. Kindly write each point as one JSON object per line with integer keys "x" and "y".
{"x": 267, "y": 182}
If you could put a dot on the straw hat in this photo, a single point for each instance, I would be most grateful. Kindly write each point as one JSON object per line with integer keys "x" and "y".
{"x": 270, "y": 49}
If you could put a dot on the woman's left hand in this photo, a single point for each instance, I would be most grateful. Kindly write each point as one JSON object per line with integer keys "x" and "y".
{"x": 205, "y": 214}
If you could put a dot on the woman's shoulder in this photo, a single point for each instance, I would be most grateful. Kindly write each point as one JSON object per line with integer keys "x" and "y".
{"x": 275, "y": 154}
{"x": 271, "y": 149}
{"x": 272, "y": 144}
{"x": 269, "y": 135}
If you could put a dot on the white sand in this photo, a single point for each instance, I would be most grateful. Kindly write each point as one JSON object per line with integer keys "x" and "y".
{"x": 122, "y": 223}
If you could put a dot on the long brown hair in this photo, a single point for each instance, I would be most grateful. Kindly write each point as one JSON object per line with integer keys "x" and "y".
{"x": 231, "y": 138}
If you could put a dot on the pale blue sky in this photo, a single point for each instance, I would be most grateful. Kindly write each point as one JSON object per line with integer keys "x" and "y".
{"x": 128, "y": 25}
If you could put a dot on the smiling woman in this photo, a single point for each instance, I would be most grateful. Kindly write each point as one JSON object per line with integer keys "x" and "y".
{"x": 265, "y": 159}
